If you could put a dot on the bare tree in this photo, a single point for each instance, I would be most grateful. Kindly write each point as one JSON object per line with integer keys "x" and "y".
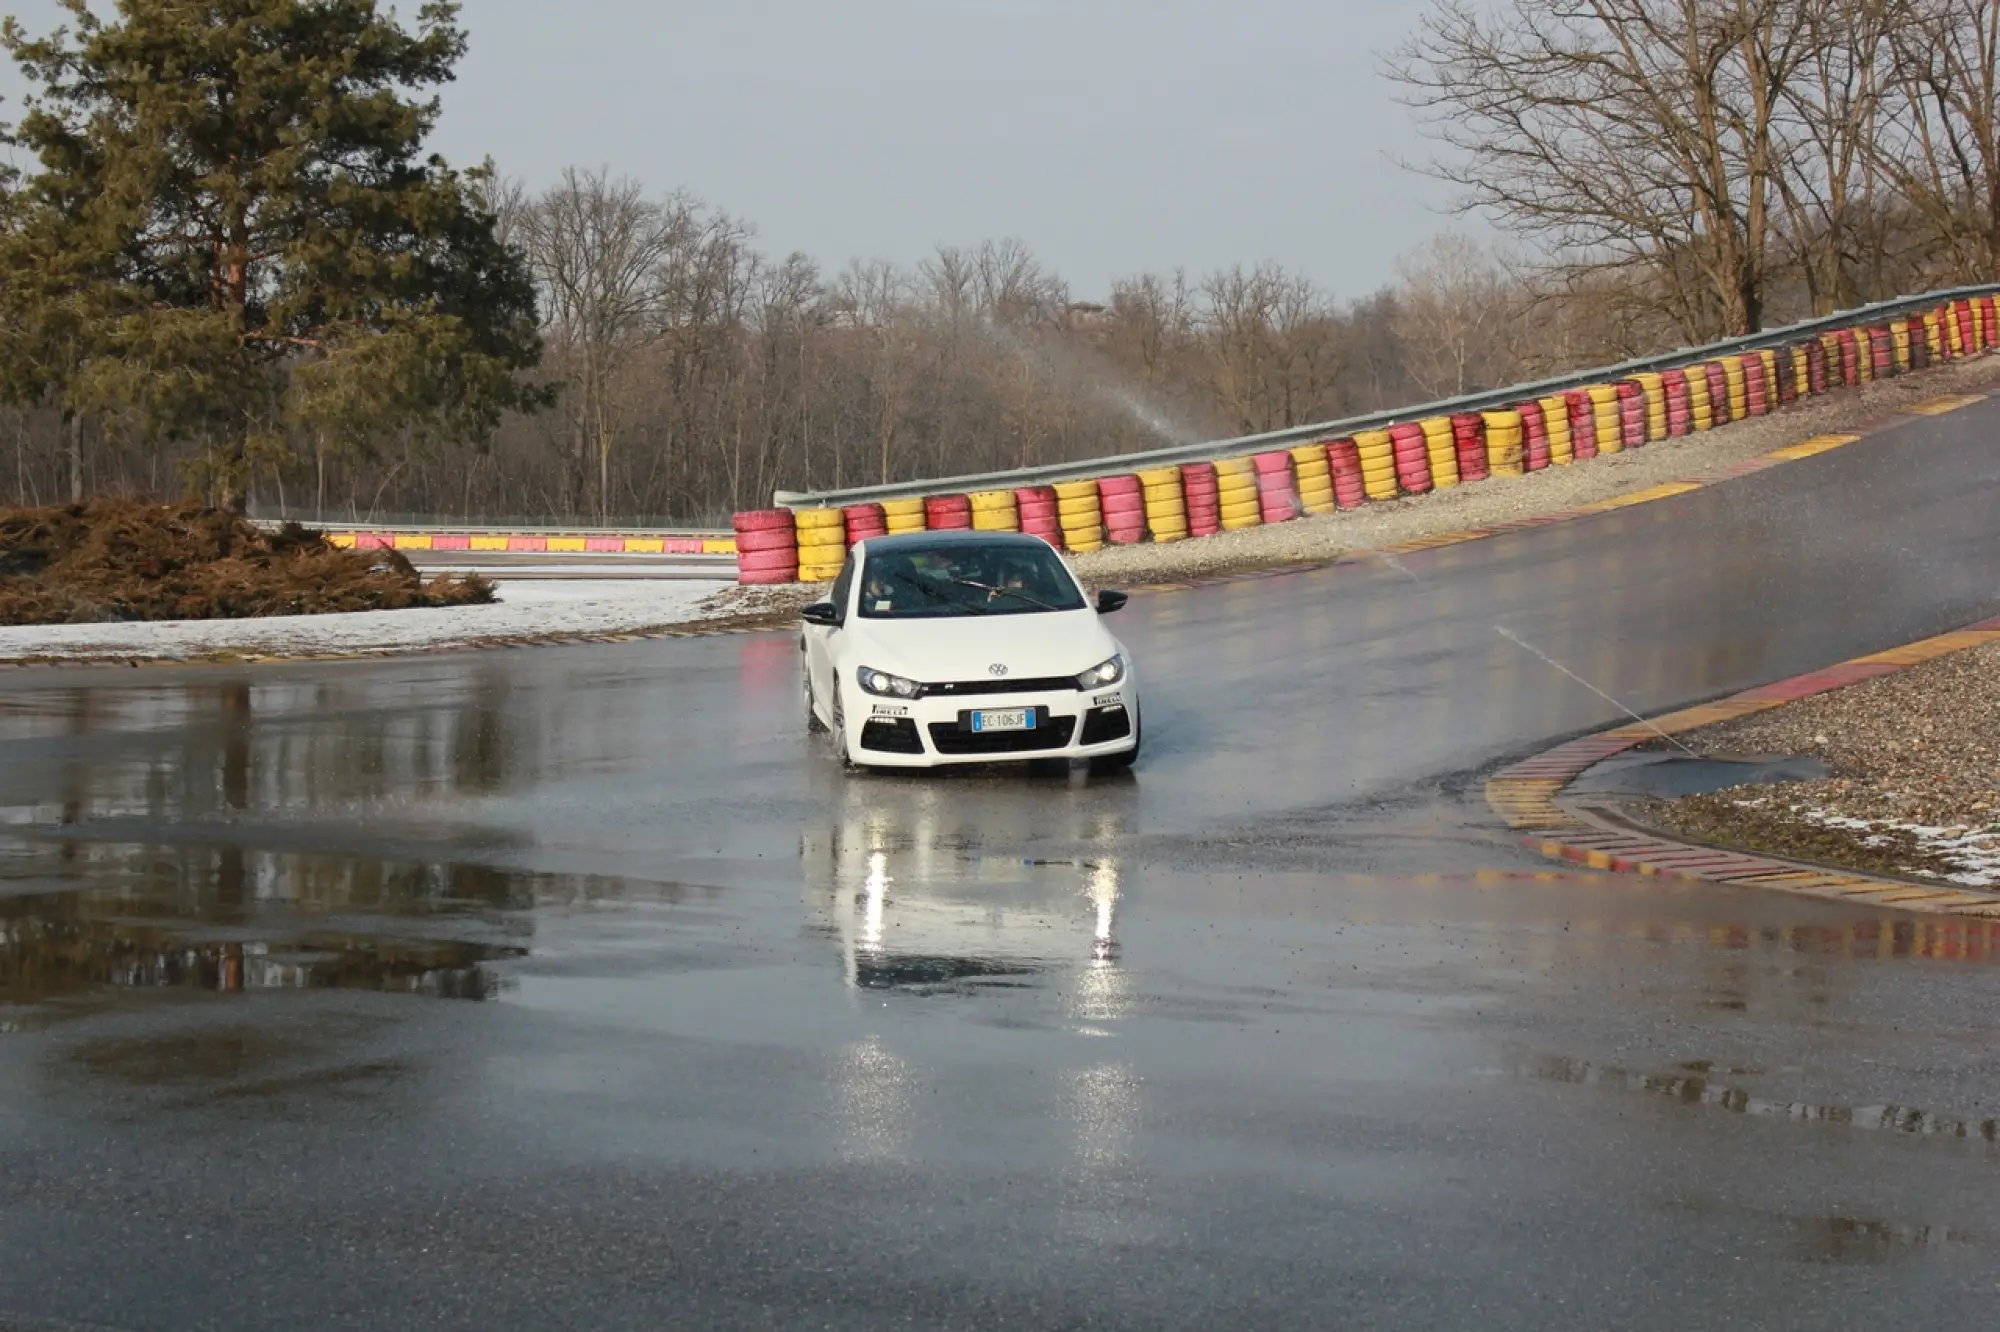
{"x": 1454, "y": 316}
{"x": 1618, "y": 134}
{"x": 599, "y": 248}
{"x": 1940, "y": 151}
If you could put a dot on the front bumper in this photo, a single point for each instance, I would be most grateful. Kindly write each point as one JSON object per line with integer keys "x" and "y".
{"x": 929, "y": 733}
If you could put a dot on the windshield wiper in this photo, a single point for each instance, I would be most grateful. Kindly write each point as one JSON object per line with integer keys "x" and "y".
{"x": 1005, "y": 592}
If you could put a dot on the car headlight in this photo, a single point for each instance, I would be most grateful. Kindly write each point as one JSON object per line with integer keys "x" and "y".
{"x": 1102, "y": 675}
{"x": 885, "y": 685}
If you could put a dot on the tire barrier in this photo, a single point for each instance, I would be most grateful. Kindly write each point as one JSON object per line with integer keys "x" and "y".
{"x": 1555, "y": 412}
{"x": 904, "y": 515}
{"x": 1736, "y": 376}
{"x": 1377, "y": 452}
{"x": 1343, "y": 457}
{"x": 1122, "y": 500}
{"x": 1820, "y": 366}
{"x": 1468, "y": 441}
{"x": 822, "y": 538}
{"x": 1582, "y": 424}
{"x": 1503, "y": 443}
{"x": 1847, "y": 353}
{"x": 864, "y": 522}
{"x": 1793, "y": 375}
{"x": 1755, "y": 394}
{"x": 1534, "y": 436}
{"x": 947, "y": 513}
{"x": 1040, "y": 513}
{"x": 1315, "y": 474}
{"x": 1166, "y": 503}
{"x": 1277, "y": 489}
{"x": 767, "y": 547}
{"x": 995, "y": 511}
{"x": 1441, "y": 446}
{"x": 1653, "y": 385}
{"x": 1606, "y": 420}
{"x": 1632, "y": 412}
{"x": 1204, "y": 504}
{"x": 1680, "y": 403}
{"x": 1236, "y": 489}
{"x": 1413, "y": 458}
{"x": 1701, "y": 407}
{"x": 1081, "y": 516}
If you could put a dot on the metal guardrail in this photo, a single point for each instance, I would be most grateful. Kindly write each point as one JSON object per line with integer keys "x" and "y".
{"x": 1472, "y": 402}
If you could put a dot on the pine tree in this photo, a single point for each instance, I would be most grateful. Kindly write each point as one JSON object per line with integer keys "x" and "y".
{"x": 231, "y": 231}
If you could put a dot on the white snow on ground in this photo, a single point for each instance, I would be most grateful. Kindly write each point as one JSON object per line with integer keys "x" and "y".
{"x": 528, "y": 608}
{"x": 1974, "y": 852}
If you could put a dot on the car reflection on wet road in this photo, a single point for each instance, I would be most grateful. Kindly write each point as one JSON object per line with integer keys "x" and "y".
{"x": 576, "y": 986}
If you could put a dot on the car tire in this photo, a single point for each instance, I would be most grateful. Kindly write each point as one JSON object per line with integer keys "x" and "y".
{"x": 814, "y": 726}
{"x": 1108, "y": 765}
{"x": 840, "y": 734}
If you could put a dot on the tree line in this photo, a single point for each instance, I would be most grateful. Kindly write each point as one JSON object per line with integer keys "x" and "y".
{"x": 347, "y": 328}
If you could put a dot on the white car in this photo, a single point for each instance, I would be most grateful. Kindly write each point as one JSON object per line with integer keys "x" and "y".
{"x": 967, "y": 647}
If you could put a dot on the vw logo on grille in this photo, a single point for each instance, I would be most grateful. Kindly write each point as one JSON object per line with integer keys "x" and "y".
{"x": 996, "y": 670}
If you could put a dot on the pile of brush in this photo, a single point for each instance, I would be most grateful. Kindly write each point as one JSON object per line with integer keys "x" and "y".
{"x": 126, "y": 560}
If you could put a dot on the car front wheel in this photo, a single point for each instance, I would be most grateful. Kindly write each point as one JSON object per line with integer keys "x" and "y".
{"x": 1106, "y": 765}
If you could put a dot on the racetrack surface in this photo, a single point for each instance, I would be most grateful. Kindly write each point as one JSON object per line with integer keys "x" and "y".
{"x": 579, "y": 988}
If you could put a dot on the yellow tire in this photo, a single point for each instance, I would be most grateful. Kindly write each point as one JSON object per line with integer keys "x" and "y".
{"x": 1562, "y": 445}
{"x": 1163, "y": 494}
{"x": 1160, "y": 476}
{"x": 991, "y": 521}
{"x": 1244, "y": 509}
{"x": 992, "y": 501}
{"x": 823, "y": 539}
{"x": 819, "y": 520}
{"x": 1074, "y": 490}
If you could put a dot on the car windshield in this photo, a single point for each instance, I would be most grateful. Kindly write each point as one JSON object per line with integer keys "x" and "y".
{"x": 1016, "y": 578}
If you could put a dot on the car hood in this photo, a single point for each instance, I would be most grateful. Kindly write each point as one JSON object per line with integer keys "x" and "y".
{"x": 967, "y": 648}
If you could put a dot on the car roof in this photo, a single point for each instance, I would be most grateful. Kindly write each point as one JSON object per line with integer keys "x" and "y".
{"x": 906, "y": 542}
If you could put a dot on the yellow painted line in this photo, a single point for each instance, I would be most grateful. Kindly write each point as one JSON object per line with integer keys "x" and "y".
{"x": 1647, "y": 496}
{"x": 1812, "y": 447}
{"x": 412, "y": 541}
{"x": 1939, "y": 406}
{"x": 566, "y": 543}
{"x": 489, "y": 543}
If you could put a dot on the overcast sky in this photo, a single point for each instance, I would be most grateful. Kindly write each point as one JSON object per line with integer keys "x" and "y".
{"x": 1110, "y": 135}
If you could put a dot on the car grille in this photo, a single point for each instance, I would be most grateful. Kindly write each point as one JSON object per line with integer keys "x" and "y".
{"x": 969, "y": 688}
{"x": 887, "y": 735}
{"x": 1051, "y": 733}
{"x": 1101, "y": 725}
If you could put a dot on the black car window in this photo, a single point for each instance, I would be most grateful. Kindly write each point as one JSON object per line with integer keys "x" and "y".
{"x": 966, "y": 579}
{"x": 842, "y": 586}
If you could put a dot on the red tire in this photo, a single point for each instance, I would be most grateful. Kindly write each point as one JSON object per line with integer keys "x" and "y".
{"x": 764, "y": 577}
{"x": 762, "y": 520}
{"x": 767, "y": 559}
{"x": 766, "y": 539}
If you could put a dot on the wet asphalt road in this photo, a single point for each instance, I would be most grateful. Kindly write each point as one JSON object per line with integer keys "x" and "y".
{"x": 575, "y": 987}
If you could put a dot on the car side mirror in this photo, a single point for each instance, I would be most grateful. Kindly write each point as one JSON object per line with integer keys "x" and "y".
{"x": 821, "y": 613}
{"x": 1108, "y": 602}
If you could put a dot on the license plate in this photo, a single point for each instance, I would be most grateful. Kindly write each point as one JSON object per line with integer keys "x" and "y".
{"x": 1008, "y": 719}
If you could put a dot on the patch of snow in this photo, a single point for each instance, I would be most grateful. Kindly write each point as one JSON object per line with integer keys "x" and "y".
{"x": 528, "y": 608}
{"x": 1973, "y": 852}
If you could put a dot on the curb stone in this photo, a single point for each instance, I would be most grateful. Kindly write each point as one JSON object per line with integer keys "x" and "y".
{"x": 1528, "y": 796}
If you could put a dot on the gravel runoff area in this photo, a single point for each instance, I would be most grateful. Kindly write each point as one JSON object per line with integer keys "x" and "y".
{"x": 1915, "y": 784}
{"x": 1373, "y": 526}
